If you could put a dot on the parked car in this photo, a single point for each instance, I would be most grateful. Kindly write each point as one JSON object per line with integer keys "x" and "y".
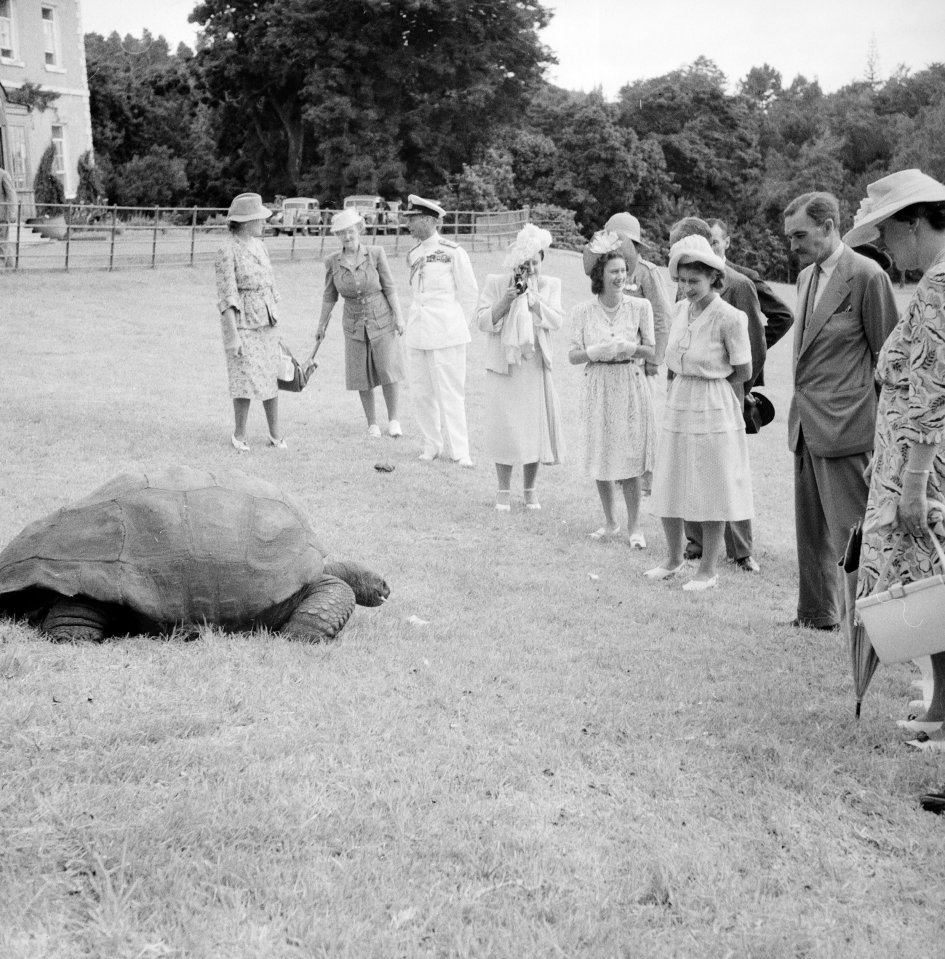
{"x": 373, "y": 209}
{"x": 298, "y": 214}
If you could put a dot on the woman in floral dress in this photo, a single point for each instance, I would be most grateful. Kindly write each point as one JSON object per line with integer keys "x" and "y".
{"x": 907, "y": 211}
{"x": 613, "y": 334}
{"x": 246, "y": 297}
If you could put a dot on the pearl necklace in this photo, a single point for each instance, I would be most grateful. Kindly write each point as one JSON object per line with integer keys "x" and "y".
{"x": 609, "y": 310}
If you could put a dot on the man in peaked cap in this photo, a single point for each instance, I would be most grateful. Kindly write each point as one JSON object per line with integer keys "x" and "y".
{"x": 444, "y": 292}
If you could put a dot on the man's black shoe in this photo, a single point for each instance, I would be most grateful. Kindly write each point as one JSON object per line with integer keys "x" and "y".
{"x": 807, "y": 624}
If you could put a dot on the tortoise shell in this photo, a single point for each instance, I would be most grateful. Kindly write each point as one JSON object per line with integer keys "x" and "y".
{"x": 176, "y": 546}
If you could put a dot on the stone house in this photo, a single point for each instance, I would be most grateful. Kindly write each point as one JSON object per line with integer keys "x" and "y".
{"x": 41, "y": 44}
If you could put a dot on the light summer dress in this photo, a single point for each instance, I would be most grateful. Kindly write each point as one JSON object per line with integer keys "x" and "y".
{"x": 619, "y": 432}
{"x": 702, "y": 471}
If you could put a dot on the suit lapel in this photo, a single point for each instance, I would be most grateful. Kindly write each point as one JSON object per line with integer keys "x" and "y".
{"x": 834, "y": 294}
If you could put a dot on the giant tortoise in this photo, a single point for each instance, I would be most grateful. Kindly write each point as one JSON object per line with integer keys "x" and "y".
{"x": 179, "y": 547}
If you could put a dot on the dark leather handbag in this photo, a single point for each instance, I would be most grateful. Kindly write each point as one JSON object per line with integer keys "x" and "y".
{"x": 293, "y": 376}
{"x": 758, "y": 411}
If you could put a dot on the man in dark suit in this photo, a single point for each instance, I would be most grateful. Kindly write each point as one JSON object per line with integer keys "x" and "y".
{"x": 778, "y": 315}
{"x": 845, "y": 310}
{"x": 739, "y": 291}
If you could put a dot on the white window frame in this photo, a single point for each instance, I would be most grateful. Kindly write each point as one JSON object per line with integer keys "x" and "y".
{"x": 52, "y": 43}
{"x": 19, "y": 160}
{"x": 10, "y": 21}
{"x": 59, "y": 147}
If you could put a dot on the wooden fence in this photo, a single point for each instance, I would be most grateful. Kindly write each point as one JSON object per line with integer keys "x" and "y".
{"x": 113, "y": 238}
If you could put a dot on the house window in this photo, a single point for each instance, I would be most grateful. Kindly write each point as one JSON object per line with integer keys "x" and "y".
{"x": 19, "y": 159}
{"x": 7, "y": 44}
{"x": 59, "y": 148}
{"x": 51, "y": 38}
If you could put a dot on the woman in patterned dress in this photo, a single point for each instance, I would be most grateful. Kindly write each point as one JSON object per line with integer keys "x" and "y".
{"x": 246, "y": 297}
{"x": 372, "y": 321}
{"x": 907, "y": 211}
{"x": 518, "y": 311}
{"x": 613, "y": 334}
{"x": 702, "y": 471}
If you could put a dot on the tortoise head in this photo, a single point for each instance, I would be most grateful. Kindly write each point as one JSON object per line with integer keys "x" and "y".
{"x": 370, "y": 588}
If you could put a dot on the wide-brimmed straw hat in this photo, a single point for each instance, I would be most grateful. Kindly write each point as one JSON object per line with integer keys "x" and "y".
{"x": 530, "y": 241}
{"x": 246, "y": 207}
{"x": 418, "y": 206}
{"x": 693, "y": 249}
{"x": 627, "y": 224}
{"x": 344, "y": 219}
{"x": 888, "y": 196}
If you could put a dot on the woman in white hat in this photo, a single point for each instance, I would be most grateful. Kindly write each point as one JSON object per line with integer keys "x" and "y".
{"x": 612, "y": 334}
{"x": 518, "y": 311}
{"x": 906, "y": 211}
{"x": 246, "y": 296}
{"x": 372, "y": 321}
{"x": 702, "y": 471}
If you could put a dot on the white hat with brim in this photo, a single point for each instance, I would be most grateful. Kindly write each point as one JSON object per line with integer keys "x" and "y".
{"x": 246, "y": 207}
{"x": 888, "y": 196}
{"x": 344, "y": 219}
{"x": 418, "y": 206}
{"x": 693, "y": 249}
{"x": 627, "y": 225}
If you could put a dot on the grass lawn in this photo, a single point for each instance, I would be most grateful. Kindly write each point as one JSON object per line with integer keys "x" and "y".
{"x": 561, "y": 760}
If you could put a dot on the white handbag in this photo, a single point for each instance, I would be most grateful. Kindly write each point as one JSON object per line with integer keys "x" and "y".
{"x": 906, "y": 621}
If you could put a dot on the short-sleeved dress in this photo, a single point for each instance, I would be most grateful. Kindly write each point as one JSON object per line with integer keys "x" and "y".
{"x": 911, "y": 370}
{"x": 374, "y": 354}
{"x": 245, "y": 282}
{"x": 702, "y": 471}
{"x": 618, "y": 427}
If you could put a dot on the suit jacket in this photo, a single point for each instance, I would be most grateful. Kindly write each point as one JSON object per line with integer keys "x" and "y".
{"x": 549, "y": 319}
{"x": 740, "y": 292}
{"x": 834, "y": 403}
{"x": 778, "y": 315}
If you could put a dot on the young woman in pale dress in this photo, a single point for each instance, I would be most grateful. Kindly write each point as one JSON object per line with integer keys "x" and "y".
{"x": 702, "y": 471}
{"x": 613, "y": 334}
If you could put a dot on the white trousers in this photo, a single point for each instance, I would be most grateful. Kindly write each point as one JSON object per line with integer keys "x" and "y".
{"x": 438, "y": 385}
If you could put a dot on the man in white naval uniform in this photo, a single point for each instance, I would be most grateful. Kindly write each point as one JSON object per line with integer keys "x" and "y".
{"x": 444, "y": 292}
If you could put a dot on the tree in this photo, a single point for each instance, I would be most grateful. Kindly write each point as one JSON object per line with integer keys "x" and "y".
{"x": 90, "y": 189}
{"x": 433, "y": 80}
{"x": 48, "y": 191}
{"x": 156, "y": 179}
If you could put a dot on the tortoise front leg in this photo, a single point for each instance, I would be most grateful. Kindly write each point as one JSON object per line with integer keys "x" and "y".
{"x": 75, "y": 620}
{"x": 322, "y": 614}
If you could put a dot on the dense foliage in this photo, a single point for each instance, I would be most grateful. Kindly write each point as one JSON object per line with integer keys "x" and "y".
{"x": 446, "y": 97}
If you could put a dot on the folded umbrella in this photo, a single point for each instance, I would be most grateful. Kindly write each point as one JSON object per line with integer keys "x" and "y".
{"x": 863, "y": 659}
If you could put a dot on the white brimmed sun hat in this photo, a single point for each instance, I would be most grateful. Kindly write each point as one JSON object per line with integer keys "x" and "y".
{"x": 246, "y": 207}
{"x": 344, "y": 219}
{"x": 628, "y": 225}
{"x": 888, "y": 196}
{"x": 693, "y": 249}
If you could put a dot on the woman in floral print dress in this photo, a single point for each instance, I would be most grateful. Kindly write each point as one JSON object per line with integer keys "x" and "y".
{"x": 907, "y": 210}
{"x": 246, "y": 298}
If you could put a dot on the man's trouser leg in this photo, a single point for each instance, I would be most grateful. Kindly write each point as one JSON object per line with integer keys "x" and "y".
{"x": 423, "y": 389}
{"x": 829, "y": 499}
{"x": 450, "y": 376}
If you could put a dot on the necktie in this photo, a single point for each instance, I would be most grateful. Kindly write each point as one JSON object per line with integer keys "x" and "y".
{"x": 811, "y": 296}
{"x": 812, "y": 291}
